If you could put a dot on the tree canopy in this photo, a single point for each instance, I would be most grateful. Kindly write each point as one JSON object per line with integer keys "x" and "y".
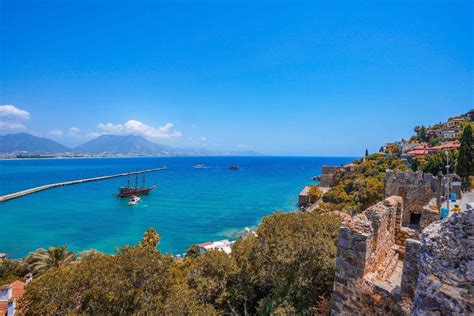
{"x": 465, "y": 163}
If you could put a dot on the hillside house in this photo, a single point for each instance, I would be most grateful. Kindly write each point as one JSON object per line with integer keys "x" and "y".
{"x": 446, "y": 146}
{"x": 454, "y": 122}
{"x": 418, "y": 152}
{"x": 10, "y": 295}
{"x": 451, "y": 133}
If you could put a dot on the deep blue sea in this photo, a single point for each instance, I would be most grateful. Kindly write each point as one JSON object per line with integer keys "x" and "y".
{"x": 188, "y": 207}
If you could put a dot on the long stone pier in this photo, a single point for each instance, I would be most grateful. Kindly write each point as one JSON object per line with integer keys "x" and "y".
{"x": 60, "y": 184}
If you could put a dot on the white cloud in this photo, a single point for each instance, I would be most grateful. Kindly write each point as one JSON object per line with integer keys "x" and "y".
{"x": 11, "y": 126}
{"x": 133, "y": 127}
{"x": 14, "y": 112}
{"x": 56, "y": 132}
{"x": 74, "y": 130}
{"x": 13, "y": 118}
{"x": 203, "y": 138}
{"x": 193, "y": 126}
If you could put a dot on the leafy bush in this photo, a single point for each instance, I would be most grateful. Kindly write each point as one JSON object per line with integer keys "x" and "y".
{"x": 357, "y": 190}
{"x": 314, "y": 193}
{"x": 134, "y": 280}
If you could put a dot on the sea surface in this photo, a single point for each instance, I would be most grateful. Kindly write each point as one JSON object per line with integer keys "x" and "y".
{"x": 189, "y": 206}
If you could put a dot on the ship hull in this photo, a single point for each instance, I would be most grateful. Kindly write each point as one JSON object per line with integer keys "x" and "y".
{"x": 127, "y": 192}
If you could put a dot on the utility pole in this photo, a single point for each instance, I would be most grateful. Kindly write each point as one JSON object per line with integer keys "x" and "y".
{"x": 447, "y": 178}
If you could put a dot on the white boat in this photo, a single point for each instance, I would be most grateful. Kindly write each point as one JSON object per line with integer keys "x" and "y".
{"x": 134, "y": 200}
{"x": 199, "y": 166}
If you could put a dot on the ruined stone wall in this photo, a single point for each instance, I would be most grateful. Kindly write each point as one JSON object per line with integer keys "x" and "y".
{"x": 430, "y": 214}
{"x": 328, "y": 176}
{"x": 383, "y": 268}
{"x": 446, "y": 267}
{"x": 410, "y": 267}
{"x": 366, "y": 254}
{"x": 416, "y": 188}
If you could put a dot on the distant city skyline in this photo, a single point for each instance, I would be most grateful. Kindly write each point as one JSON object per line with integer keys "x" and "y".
{"x": 305, "y": 78}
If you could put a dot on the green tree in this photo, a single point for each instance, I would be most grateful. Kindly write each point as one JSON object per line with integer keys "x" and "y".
{"x": 193, "y": 252}
{"x": 211, "y": 275}
{"x": 314, "y": 193}
{"x": 465, "y": 162}
{"x": 414, "y": 164}
{"x": 54, "y": 257}
{"x": 288, "y": 266}
{"x": 150, "y": 239}
{"x": 136, "y": 280}
{"x": 421, "y": 133}
{"x": 436, "y": 162}
{"x": 11, "y": 270}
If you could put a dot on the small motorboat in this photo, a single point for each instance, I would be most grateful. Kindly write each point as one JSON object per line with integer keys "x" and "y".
{"x": 234, "y": 167}
{"x": 199, "y": 166}
{"x": 134, "y": 200}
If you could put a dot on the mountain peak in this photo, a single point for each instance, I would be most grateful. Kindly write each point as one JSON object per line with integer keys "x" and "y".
{"x": 29, "y": 143}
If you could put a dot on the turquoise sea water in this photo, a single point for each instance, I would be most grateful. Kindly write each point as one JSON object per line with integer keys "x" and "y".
{"x": 189, "y": 206}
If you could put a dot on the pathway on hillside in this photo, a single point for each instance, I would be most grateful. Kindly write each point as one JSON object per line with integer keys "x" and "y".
{"x": 467, "y": 197}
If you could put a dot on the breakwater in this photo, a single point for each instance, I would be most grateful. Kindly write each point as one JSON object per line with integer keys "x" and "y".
{"x": 60, "y": 184}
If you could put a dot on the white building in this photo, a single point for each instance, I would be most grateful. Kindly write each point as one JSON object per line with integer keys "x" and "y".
{"x": 446, "y": 133}
{"x": 222, "y": 245}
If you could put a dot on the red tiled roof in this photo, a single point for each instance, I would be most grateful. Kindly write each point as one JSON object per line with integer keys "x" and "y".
{"x": 3, "y": 308}
{"x": 419, "y": 147}
{"x": 18, "y": 289}
{"x": 418, "y": 152}
{"x": 447, "y": 145}
{"x": 349, "y": 165}
{"x": 205, "y": 244}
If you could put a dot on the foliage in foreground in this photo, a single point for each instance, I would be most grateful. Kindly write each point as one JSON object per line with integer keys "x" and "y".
{"x": 287, "y": 268}
{"x": 135, "y": 280}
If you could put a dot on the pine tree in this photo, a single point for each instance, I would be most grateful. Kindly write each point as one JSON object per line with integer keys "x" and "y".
{"x": 465, "y": 163}
{"x": 366, "y": 152}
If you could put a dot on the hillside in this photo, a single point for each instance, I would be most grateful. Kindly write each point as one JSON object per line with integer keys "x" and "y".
{"x": 29, "y": 143}
{"x": 129, "y": 144}
{"x": 137, "y": 145}
{"x": 105, "y": 145}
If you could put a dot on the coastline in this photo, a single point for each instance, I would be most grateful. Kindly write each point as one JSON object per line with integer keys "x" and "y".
{"x": 261, "y": 187}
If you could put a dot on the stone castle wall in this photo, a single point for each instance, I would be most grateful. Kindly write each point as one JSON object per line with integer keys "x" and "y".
{"x": 367, "y": 255}
{"x": 417, "y": 190}
{"x": 446, "y": 267}
{"x": 382, "y": 268}
{"x": 328, "y": 175}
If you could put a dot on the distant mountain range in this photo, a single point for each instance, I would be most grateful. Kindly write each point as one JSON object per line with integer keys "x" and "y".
{"x": 29, "y": 143}
{"x": 104, "y": 145}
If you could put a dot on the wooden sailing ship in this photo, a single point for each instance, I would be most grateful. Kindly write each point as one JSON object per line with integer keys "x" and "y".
{"x": 136, "y": 190}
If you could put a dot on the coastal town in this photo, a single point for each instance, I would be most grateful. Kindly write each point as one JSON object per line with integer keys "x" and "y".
{"x": 237, "y": 158}
{"x": 383, "y": 247}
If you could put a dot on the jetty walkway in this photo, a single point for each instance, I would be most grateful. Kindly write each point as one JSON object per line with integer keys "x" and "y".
{"x": 60, "y": 184}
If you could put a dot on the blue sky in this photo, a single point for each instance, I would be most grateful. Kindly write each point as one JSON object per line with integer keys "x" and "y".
{"x": 282, "y": 78}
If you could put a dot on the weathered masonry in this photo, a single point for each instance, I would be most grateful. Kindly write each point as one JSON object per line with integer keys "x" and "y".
{"x": 421, "y": 194}
{"x": 382, "y": 267}
{"x": 328, "y": 175}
